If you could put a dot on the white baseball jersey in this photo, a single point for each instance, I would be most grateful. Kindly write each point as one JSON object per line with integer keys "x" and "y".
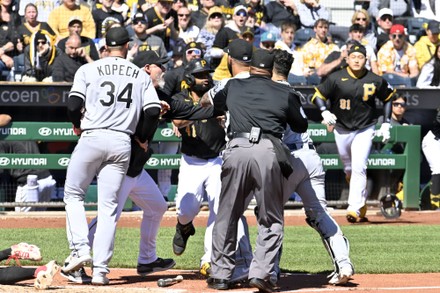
{"x": 112, "y": 103}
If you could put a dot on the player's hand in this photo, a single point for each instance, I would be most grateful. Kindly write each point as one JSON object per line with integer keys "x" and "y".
{"x": 77, "y": 131}
{"x": 176, "y": 131}
{"x": 144, "y": 145}
{"x": 221, "y": 120}
{"x": 165, "y": 107}
{"x": 329, "y": 117}
{"x": 384, "y": 131}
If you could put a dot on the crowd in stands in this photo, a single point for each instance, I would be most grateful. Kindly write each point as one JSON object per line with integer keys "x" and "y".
{"x": 48, "y": 40}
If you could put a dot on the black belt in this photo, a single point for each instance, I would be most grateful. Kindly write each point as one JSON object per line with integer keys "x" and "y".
{"x": 298, "y": 146}
{"x": 247, "y": 135}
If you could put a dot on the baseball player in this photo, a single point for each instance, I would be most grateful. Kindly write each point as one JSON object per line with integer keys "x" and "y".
{"x": 352, "y": 93}
{"x": 104, "y": 105}
{"x": 311, "y": 186}
{"x": 199, "y": 174}
{"x": 431, "y": 149}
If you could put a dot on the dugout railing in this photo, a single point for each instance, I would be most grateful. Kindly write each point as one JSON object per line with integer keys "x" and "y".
{"x": 409, "y": 161}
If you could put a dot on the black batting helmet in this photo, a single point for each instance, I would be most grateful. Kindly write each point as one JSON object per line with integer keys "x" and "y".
{"x": 390, "y": 206}
{"x": 195, "y": 66}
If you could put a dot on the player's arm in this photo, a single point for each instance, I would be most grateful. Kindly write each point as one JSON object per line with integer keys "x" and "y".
{"x": 181, "y": 110}
{"x": 75, "y": 105}
{"x": 4, "y": 119}
{"x": 149, "y": 126}
{"x": 297, "y": 119}
{"x": 320, "y": 101}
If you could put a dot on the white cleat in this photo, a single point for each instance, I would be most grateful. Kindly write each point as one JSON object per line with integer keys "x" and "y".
{"x": 341, "y": 278}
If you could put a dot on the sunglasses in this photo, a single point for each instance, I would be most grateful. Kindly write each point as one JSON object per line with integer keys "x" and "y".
{"x": 387, "y": 17}
{"x": 397, "y": 104}
{"x": 396, "y": 36}
{"x": 361, "y": 18}
{"x": 216, "y": 15}
{"x": 183, "y": 15}
{"x": 42, "y": 42}
{"x": 136, "y": 22}
{"x": 268, "y": 44}
{"x": 241, "y": 13}
{"x": 194, "y": 51}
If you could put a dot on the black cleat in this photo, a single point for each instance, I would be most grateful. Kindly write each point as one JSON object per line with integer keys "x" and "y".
{"x": 181, "y": 237}
{"x": 218, "y": 284}
{"x": 262, "y": 285}
{"x": 159, "y": 265}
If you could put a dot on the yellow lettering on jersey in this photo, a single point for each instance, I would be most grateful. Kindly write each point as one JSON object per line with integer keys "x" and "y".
{"x": 369, "y": 90}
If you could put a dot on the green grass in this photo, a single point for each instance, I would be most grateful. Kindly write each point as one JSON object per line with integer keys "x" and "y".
{"x": 374, "y": 249}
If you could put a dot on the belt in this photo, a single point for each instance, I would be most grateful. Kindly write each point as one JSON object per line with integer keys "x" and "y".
{"x": 247, "y": 135}
{"x": 298, "y": 146}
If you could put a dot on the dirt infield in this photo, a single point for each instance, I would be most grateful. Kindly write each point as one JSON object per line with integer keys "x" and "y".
{"x": 126, "y": 280}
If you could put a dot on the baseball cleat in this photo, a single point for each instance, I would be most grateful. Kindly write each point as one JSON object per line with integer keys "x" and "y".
{"x": 75, "y": 262}
{"x": 262, "y": 285}
{"x": 357, "y": 217}
{"x": 341, "y": 278}
{"x": 181, "y": 237}
{"x": 80, "y": 276}
{"x": 100, "y": 280}
{"x": 25, "y": 251}
{"x": 156, "y": 266}
{"x": 205, "y": 269}
{"x": 44, "y": 275}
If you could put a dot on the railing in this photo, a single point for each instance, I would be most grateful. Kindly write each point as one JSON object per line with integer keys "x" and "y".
{"x": 60, "y": 131}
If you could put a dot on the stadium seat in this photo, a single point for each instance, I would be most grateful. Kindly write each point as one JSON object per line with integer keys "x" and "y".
{"x": 302, "y": 36}
{"x": 397, "y": 81}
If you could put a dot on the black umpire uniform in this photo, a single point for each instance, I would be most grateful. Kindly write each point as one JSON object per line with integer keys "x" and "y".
{"x": 254, "y": 164}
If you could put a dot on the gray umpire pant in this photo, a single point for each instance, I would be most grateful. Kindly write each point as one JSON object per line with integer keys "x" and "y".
{"x": 248, "y": 170}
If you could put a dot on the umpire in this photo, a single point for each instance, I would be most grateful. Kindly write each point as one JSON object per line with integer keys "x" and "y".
{"x": 254, "y": 162}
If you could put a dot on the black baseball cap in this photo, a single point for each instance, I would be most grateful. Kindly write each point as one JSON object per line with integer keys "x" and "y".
{"x": 74, "y": 20}
{"x": 149, "y": 57}
{"x": 434, "y": 27}
{"x": 240, "y": 50}
{"x": 117, "y": 36}
{"x": 358, "y": 48}
{"x": 262, "y": 59}
{"x": 139, "y": 17}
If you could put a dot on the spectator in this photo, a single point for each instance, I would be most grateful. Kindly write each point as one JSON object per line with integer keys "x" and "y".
{"x": 31, "y": 24}
{"x": 43, "y": 274}
{"x": 39, "y": 57}
{"x": 7, "y": 36}
{"x": 200, "y": 16}
{"x": 357, "y": 33}
{"x": 207, "y": 34}
{"x": 44, "y": 8}
{"x": 362, "y": 17}
{"x": 187, "y": 30}
{"x": 59, "y": 19}
{"x": 278, "y": 11}
{"x": 121, "y": 7}
{"x": 267, "y": 41}
{"x": 66, "y": 65}
{"x": 9, "y": 13}
{"x": 385, "y": 22}
{"x": 430, "y": 74}
{"x": 76, "y": 27}
{"x": 105, "y": 15}
{"x": 425, "y": 46}
{"x": 159, "y": 21}
{"x": 309, "y": 11}
{"x": 398, "y": 56}
{"x": 316, "y": 50}
{"x": 399, "y": 7}
{"x": 228, "y": 33}
{"x": 144, "y": 41}
{"x": 256, "y": 8}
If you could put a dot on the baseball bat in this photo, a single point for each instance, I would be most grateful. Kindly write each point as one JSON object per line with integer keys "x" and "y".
{"x": 169, "y": 281}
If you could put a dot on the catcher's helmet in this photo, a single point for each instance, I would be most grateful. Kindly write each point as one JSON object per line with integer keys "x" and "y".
{"x": 390, "y": 206}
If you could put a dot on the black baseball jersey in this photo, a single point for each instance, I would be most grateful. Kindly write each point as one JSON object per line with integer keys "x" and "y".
{"x": 353, "y": 100}
{"x": 257, "y": 101}
{"x": 203, "y": 139}
{"x": 224, "y": 36}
